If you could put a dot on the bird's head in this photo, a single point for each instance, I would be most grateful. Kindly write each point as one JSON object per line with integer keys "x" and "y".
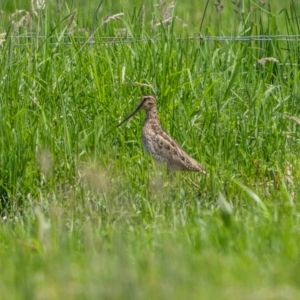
{"x": 147, "y": 103}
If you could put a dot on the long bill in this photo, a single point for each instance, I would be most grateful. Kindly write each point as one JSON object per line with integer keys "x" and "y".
{"x": 132, "y": 114}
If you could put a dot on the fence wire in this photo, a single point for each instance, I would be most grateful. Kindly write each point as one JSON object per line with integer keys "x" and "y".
{"x": 24, "y": 40}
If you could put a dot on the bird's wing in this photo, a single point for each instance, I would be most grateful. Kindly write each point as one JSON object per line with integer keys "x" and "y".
{"x": 167, "y": 149}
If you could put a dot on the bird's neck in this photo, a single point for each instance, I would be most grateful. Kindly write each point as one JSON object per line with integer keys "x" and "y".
{"x": 151, "y": 114}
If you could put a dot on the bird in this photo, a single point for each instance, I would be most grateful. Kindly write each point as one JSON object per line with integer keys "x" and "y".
{"x": 161, "y": 145}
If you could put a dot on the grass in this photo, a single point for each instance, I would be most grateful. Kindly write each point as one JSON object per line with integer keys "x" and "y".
{"x": 85, "y": 214}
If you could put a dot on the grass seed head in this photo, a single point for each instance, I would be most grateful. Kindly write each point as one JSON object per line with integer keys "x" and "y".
{"x": 113, "y": 17}
{"x": 262, "y": 61}
{"x": 72, "y": 23}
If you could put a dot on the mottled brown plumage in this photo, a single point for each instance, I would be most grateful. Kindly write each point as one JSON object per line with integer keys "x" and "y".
{"x": 156, "y": 141}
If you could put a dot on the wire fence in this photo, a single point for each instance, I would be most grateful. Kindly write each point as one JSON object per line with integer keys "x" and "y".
{"x": 24, "y": 40}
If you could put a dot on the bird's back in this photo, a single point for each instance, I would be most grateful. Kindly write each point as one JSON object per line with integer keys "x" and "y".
{"x": 165, "y": 149}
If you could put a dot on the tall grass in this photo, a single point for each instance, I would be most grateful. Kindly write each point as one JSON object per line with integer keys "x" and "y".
{"x": 86, "y": 214}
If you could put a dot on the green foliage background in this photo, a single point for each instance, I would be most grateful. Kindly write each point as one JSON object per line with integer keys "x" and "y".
{"x": 85, "y": 213}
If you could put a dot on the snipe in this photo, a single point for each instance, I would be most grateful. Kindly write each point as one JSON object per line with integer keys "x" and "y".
{"x": 156, "y": 141}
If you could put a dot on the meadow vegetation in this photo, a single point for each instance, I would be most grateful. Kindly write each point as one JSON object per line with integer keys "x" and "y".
{"x": 85, "y": 214}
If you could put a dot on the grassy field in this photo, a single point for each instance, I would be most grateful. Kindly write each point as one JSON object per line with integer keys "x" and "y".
{"x": 86, "y": 214}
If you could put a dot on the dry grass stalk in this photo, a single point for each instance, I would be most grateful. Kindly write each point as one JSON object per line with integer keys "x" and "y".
{"x": 263, "y": 60}
{"x": 288, "y": 173}
{"x": 112, "y": 17}
{"x": 71, "y": 22}
{"x": 21, "y": 19}
{"x": 40, "y": 4}
{"x": 295, "y": 119}
{"x": 168, "y": 22}
{"x": 2, "y": 38}
{"x": 161, "y": 5}
{"x": 59, "y": 4}
{"x": 169, "y": 11}
{"x": 167, "y": 15}
{"x": 122, "y": 32}
{"x": 36, "y": 6}
{"x": 143, "y": 16}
